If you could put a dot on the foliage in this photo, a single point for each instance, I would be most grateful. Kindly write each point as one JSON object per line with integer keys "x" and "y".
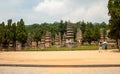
{"x": 13, "y": 34}
{"x": 88, "y": 35}
{"x": 57, "y": 27}
{"x": 96, "y": 33}
{"x": 114, "y": 22}
{"x": 21, "y": 33}
{"x": 2, "y": 31}
{"x": 18, "y": 31}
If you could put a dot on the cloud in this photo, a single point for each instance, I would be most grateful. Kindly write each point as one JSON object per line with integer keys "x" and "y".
{"x": 51, "y": 7}
{"x": 39, "y": 11}
{"x": 74, "y": 10}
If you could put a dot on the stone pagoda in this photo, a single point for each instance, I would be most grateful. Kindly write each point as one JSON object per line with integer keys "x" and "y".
{"x": 63, "y": 40}
{"x": 57, "y": 40}
{"x": 101, "y": 36}
{"x": 69, "y": 36}
{"x": 48, "y": 40}
{"x": 11, "y": 46}
{"x": 42, "y": 44}
{"x": 18, "y": 45}
{"x": 29, "y": 41}
{"x": 79, "y": 37}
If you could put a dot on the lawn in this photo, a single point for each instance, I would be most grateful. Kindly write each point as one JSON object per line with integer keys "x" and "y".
{"x": 53, "y": 48}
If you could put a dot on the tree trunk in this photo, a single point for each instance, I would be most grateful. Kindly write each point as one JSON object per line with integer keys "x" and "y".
{"x": 37, "y": 43}
{"x": 0, "y": 46}
{"x": 14, "y": 45}
{"x": 117, "y": 44}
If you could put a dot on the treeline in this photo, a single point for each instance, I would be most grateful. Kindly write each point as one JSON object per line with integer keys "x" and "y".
{"x": 18, "y": 31}
{"x": 90, "y": 31}
{"x": 12, "y": 32}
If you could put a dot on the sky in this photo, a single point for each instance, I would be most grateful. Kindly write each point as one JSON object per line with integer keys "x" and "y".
{"x": 40, "y": 11}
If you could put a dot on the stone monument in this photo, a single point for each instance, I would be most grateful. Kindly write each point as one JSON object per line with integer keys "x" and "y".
{"x": 69, "y": 36}
{"x": 79, "y": 37}
{"x": 48, "y": 40}
{"x": 29, "y": 42}
{"x": 63, "y": 40}
{"x": 101, "y": 36}
{"x": 34, "y": 44}
{"x": 42, "y": 44}
{"x": 57, "y": 40}
{"x": 18, "y": 45}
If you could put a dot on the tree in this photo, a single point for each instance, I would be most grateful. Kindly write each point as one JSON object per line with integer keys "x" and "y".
{"x": 103, "y": 25}
{"x": 9, "y": 30}
{"x": 62, "y": 27}
{"x": 96, "y": 33}
{"x": 114, "y": 22}
{"x": 83, "y": 26}
{"x": 1, "y": 32}
{"x": 21, "y": 33}
{"x": 75, "y": 27}
{"x": 6, "y": 34}
{"x": 13, "y": 34}
{"x": 88, "y": 35}
{"x": 37, "y": 35}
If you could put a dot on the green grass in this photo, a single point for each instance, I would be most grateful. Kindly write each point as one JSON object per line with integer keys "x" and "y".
{"x": 53, "y": 48}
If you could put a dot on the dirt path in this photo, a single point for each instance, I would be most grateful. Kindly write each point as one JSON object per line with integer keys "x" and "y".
{"x": 60, "y": 57}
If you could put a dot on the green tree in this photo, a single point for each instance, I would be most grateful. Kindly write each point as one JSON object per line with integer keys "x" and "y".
{"x": 21, "y": 33}
{"x": 83, "y": 26}
{"x": 62, "y": 27}
{"x": 75, "y": 27}
{"x": 114, "y": 22}
{"x": 1, "y": 32}
{"x": 37, "y": 35}
{"x": 88, "y": 35}
{"x": 96, "y": 33}
{"x": 6, "y": 38}
{"x": 9, "y": 30}
{"x": 13, "y": 34}
{"x": 103, "y": 25}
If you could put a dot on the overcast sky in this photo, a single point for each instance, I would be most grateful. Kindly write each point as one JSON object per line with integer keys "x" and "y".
{"x": 40, "y": 11}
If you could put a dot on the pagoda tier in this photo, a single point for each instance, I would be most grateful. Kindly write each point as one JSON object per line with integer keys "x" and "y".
{"x": 101, "y": 36}
{"x": 69, "y": 36}
{"x": 48, "y": 39}
{"x": 63, "y": 39}
{"x": 57, "y": 40}
{"x": 42, "y": 44}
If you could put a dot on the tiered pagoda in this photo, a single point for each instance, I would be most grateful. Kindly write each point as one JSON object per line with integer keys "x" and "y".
{"x": 48, "y": 39}
{"x": 42, "y": 44}
{"x": 69, "y": 36}
{"x": 57, "y": 40}
{"x": 63, "y": 40}
{"x": 79, "y": 37}
{"x": 101, "y": 36}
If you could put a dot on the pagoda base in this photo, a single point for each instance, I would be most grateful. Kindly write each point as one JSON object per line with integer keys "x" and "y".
{"x": 70, "y": 45}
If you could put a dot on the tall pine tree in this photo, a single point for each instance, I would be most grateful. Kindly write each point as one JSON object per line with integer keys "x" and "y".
{"x": 21, "y": 33}
{"x": 114, "y": 22}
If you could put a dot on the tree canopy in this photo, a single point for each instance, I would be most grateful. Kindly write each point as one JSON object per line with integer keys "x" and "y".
{"x": 114, "y": 22}
{"x": 18, "y": 31}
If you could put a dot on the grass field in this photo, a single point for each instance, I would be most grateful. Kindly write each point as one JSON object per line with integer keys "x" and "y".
{"x": 53, "y": 48}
